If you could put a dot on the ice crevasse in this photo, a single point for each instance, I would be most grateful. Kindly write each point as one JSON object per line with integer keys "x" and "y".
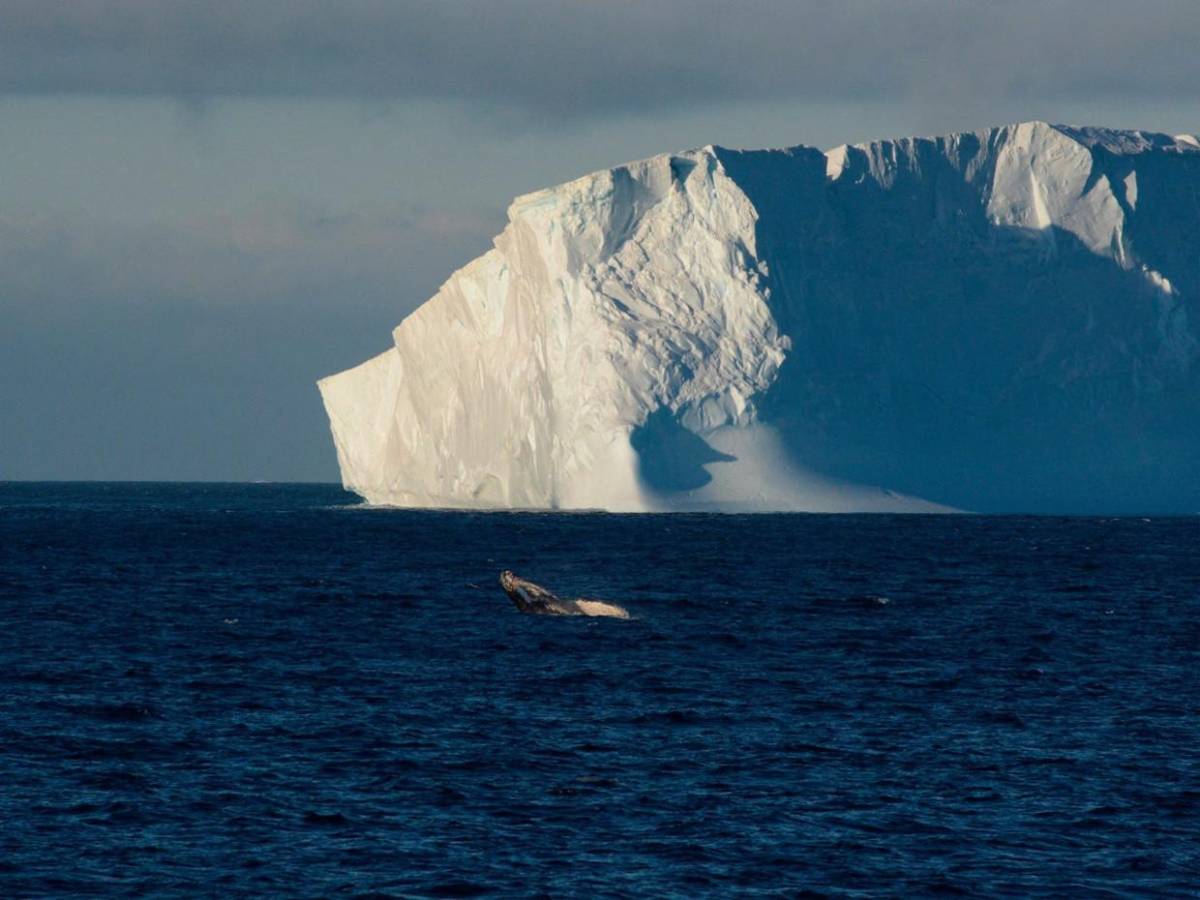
{"x": 997, "y": 321}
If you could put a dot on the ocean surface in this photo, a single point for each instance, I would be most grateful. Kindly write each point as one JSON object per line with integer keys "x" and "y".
{"x": 252, "y": 690}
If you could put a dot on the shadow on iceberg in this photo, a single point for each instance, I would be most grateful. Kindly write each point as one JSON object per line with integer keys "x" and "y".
{"x": 982, "y": 366}
{"x": 671, "y": 458}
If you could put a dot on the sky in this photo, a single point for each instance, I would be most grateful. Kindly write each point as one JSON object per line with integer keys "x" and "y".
{"x": 205, "y": 206}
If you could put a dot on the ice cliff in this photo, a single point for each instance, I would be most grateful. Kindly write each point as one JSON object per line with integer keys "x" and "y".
{"x": 998, "y": 320}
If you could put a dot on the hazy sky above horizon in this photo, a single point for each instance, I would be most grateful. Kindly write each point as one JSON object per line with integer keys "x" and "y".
{"x": 204, "y": 208}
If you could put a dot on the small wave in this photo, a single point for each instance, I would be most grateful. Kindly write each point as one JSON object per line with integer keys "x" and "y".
{"x": 117, "y": 712}
{"x": 457, "y": 889}
{"x": 854, "y": 601}
{"x": 325, "y": 819}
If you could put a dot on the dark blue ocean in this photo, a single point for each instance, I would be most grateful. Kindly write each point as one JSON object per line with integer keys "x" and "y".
{"x": 251, "y": 690}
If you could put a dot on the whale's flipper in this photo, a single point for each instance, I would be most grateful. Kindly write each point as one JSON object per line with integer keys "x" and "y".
{"x": 536, "y": 600}
{"x": 601, "y": 608}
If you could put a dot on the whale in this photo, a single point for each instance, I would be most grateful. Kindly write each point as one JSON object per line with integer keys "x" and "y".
{"x": 533, "y": 599}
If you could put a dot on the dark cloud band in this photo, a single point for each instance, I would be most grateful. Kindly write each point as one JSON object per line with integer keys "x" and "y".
{"x": 562, "y": 57}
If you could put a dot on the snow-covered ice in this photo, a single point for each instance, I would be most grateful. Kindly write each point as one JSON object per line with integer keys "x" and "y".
{"x": 998, "y": 320}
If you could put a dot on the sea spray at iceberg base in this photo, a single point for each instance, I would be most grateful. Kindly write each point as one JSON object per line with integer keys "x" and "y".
{"x": 993, "y": 321}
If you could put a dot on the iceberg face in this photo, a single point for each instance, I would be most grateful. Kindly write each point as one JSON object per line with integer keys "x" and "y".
{"x": 997, "y": 321}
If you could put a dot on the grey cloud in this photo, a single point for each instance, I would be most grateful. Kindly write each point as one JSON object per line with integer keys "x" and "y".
{"x": 278, "y": 251}
{"x": 191, "y": 349}
{"x": 558, "y": 58}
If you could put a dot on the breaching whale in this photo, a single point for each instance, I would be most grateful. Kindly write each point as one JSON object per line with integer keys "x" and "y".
{"x": 536, "y": 600}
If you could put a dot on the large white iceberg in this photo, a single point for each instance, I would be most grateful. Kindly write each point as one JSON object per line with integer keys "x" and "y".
{"x": 999, "y": 320}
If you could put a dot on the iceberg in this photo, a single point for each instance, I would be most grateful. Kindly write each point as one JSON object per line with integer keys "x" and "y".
{"x": 995, "y": 321}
